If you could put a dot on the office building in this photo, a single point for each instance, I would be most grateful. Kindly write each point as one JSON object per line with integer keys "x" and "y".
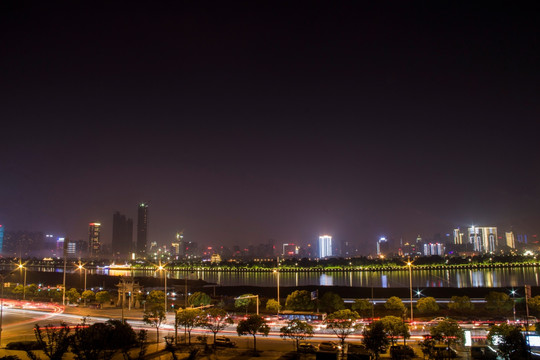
{"x": 94, "y": 242}
{"x": 23, "y": 243}
{"x": 290, "y": 250}
{"x": 510, "y": 240}
{"x": 382, "y": 246}
{"x": 434, "y": 249}
{"x": 1, "y": 238}
{"x": 122, "y": 237}
{"x": 325, "y": 246}
{"x": 458, "y": 236}
{"x": 142, "y": 230}
{"x": 484, "y": 239}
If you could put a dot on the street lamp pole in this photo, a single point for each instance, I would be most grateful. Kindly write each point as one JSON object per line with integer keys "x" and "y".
{"x": 277, "y": 274}
{"x": 162, "y": 268}
{"x": 21, "y": 266}
{"x": 409, "y": 263}
{"x": 513, "y": 292}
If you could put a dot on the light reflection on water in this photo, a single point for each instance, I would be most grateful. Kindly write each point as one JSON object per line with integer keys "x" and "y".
{"x": 500, "y": 277}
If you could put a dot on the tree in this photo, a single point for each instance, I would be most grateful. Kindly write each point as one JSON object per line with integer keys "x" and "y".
{"x": 88, "y": 296}
{"x": 189, "y": 319}
{"x": 245, "y": 302}
{"x": 273, "y": 306}
{"x": 102, "y": 341}
{"x": 153, "y": 315}
{"x": 343, "y": 323}
{"x": 253, "y": 325}
{"x": 199, "y": 299}
{"x": 448, "y": 331}
{"x": 363, "y": 307}
{"x": 461, "y": 304}
{"x": 53, "y": 340}
{"x": 297, "y": 330}
{"x": 534, "y": 303}
{"x": 395, "y": 327}
{"x": 509, "y": 340}
{"x": 299, "y": 300}
{"x": 103, "y": 297}
{"x": 216, "y": 320}
{"x": 498, "y": 302}
{"x": 156, "y": 298}
{"x": 395, "y": 306}
{"x": 31, "y": 290}
{"x": 427, "y": 305}
{"x": 73, "y": 295}
{"x": 375, "y": 338}
{"x": 331, "y": 302}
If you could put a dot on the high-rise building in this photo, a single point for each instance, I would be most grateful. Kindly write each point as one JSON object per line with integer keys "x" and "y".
{"x": 484, "y": 239}
{"x": 458, "y": 236}
{"x": 94, "y": 243}
{"x": 142, "y": 229}
{"x": 122, "y": 237}
{"x": 325, "y": 246}
{"x": 510, "y": 240}
{"x": 382, "y": 246}
{"x": 1, "y": 238}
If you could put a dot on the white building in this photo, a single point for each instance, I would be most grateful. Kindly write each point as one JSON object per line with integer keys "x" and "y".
{"x": 325, "y": 246}
{"x": 484, "y": 239}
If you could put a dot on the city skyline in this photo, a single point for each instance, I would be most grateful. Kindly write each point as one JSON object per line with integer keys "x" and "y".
{"x": 252, "y": 121}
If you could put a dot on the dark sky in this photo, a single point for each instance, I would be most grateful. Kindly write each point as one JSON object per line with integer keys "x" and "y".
{"x": 245, "y": 121}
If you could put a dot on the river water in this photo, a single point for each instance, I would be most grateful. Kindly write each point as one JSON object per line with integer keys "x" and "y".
{"x": 460, "y": 278}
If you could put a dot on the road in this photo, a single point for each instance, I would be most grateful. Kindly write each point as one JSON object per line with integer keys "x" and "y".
{"x": 18, "y": 324}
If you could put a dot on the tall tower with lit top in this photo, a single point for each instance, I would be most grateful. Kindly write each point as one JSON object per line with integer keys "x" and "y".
{"x": 142, "y": 229}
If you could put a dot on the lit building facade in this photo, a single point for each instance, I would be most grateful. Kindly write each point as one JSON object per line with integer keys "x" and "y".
{"x": 142, "y": 230}
{"x": 94, "y": 243}
{"x": 382, "y": 246}
{"x": 325, "y": 246}
{"x": 510, "y": 240}
{"x": 458, "y": 236}
{"x": 434, "y": 249}
{"x": 484, "y": 239}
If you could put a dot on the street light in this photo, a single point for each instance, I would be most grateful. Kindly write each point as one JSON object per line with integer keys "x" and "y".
{"x": 276, "y": 271}
{"x": 162, "y": 268}
{"x": 81, "y": 267}
{"x": 409, "y": 264}
{"x": 513, "y": 293}
{"x": 21, "y": 267}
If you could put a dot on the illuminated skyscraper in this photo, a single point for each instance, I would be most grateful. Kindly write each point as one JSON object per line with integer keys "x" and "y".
{"x": 94, "y": 244}
{"x": 325, "y": 246}
{"x": 142, "y": 229}
{"x": 484, "y": 239}
{"x": 510, "y": 240}
{"x": 382, "y": 246}
{"x": 122, "y": 237}
{"x": 1, "y": 238}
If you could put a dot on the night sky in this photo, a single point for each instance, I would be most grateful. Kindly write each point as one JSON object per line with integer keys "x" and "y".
{"x": 247, "y": 121}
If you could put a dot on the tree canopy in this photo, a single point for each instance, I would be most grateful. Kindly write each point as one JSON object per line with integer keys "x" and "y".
{"x": 253, "y": 325}
{"x": 395, "y": 305}
{"x": 375, "y": 338}
{"x": 331, "y": 302}
{"x": 199, "y": 298}
{"x": 296, "y": 330}
{"x": 448, "y": 331}
{"x": 343, "y": 323}
{"x": 427, "y": 305}
{"x": 299, "y": 300}
{"x": 498, "y": 302}
{"x": 395, "y": 327}
{"x": 509, "y": 340}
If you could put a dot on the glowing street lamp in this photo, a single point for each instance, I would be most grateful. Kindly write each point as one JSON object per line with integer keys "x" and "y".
{"x": 162, "y": 268}
{"x": 513, "y": 293}
{"x": 276, "y": 271}
{"x": 22, "y": 267}
{"x": 81, "y": 267}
